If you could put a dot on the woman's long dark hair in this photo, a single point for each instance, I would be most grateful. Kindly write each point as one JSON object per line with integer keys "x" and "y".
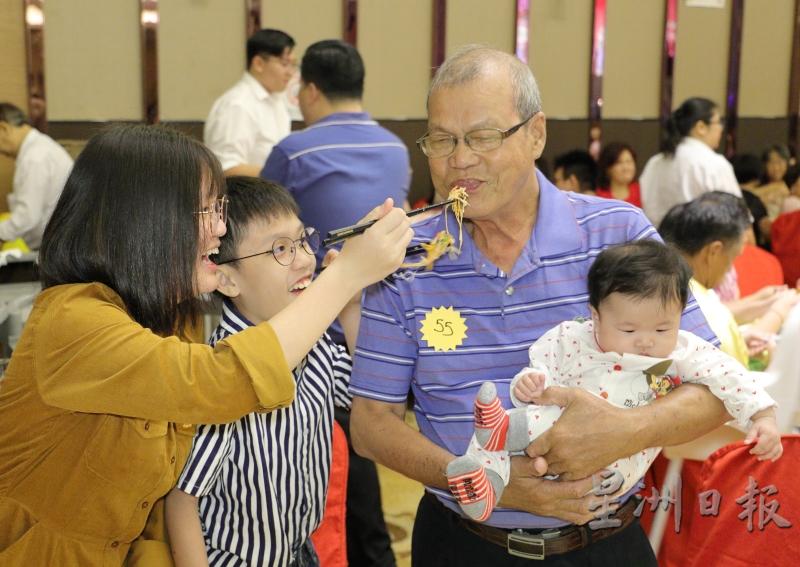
{"x": 126, "y": 219}
{"x": 692, "y": 111}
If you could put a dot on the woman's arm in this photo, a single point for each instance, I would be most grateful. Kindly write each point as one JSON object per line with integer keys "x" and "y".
{"x": 185, "y": 531}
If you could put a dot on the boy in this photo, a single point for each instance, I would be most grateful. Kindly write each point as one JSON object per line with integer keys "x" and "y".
{"x": 631, "y": 351}
{"x": 261, "y": 482}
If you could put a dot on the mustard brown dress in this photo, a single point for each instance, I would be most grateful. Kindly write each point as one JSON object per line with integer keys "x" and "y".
{"x": 95, "y": 424}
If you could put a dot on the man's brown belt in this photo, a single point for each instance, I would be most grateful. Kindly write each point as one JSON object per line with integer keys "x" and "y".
{"x": 553, "y": 541}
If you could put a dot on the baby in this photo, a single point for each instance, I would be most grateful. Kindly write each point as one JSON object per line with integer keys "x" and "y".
{"x": 630, "y": 352}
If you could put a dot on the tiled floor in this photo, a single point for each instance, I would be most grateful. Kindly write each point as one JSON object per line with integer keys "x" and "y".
{"x": 400, "y": 499}
{"x": 400, "y": 496}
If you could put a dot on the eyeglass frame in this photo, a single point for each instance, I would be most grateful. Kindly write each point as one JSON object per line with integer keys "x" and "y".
{"x": 219, "y": 208}
{"x": 307, "y": 232}
{"x": 503, "y": 133}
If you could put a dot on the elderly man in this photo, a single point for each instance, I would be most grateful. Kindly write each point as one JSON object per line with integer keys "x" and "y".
{"x": 40, "y": 171}
{"x": 526, "y": 250}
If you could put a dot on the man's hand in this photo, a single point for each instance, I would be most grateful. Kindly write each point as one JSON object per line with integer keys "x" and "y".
{"x": 590, "y": 434}
{"x": 570, "y": 501}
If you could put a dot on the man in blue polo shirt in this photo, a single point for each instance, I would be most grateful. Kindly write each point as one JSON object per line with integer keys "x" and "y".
{"x": 344, "y": 163}
{"x": 338, "y": 169}
{"x": 526, "y": 251}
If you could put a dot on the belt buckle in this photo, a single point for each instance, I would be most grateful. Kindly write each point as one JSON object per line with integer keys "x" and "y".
{"x": 529, "y": 546}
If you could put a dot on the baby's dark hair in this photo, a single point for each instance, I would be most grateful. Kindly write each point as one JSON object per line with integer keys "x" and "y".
{"x": 252, "y": 198}
{"x": 640, "y": 269}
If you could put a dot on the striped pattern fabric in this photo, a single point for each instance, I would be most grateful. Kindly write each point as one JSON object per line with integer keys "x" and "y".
{"x": 504, "y": 315}
{"x": 491, "y": 418}
{"x": 262, "y": 480}
{"x": 473, "y": 488}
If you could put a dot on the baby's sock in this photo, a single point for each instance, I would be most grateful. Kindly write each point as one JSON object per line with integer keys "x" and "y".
{"x": 491, "y": 421}
{"x": 476, "y": 488}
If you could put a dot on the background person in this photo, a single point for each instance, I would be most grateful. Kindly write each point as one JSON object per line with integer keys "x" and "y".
{"x": 688, "y": 164}
{"x": 616, "y": 174}
{"x": 41, "y": 169}
{"x": 253, "y": 115}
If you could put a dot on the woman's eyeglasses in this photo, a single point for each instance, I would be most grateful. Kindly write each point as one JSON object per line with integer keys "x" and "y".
{"x": 218, "y": 210}
{"x": 284, "y": 249}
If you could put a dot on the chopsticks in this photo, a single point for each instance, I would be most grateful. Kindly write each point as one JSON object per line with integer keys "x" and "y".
{"x": 340, "y": 234}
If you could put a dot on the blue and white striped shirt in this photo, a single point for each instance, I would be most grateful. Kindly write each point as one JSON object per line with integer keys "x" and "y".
{"x": 262, "y": 480}
{"x": 504, "y": 314}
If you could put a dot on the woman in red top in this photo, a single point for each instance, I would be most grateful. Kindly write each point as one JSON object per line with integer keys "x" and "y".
{"x": 617, "y": 174}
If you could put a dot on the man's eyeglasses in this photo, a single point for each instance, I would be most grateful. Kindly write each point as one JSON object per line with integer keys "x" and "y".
{"x": 483, "y": 140}
{"x": 284, "y": 248}
{"x": 219, "y": 209}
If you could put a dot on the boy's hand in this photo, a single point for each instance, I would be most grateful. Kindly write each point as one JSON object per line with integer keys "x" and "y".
{"x": 529, "y": 386}
{"x": 768, "y": 445}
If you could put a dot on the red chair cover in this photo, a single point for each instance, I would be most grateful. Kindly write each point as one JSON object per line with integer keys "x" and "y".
{"x": 756, "y": 268}
{"x": 785, "y": 239}
{"x": 330, "y": 538}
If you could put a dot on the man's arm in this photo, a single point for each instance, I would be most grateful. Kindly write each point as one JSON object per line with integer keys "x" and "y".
{"x": 591, "y": 433}
{"x": 246, "y": 169}
{"x": 379, "y": 432}
{"x": 185, "y": 532}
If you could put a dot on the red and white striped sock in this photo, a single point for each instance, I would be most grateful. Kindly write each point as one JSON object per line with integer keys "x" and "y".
{"x": 471, "y": 488}
{"x": 491, "y": 420}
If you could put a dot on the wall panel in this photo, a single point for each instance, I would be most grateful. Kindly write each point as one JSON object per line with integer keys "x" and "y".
{"x": 560, "y": 55}
{"x": 92, "y": 60}
{"x": 306, "y": 21}
{"x": 766, "y": 58}
{"x": 201, "y": 53}
{"x": 701, "y": 56}
{"x": 394, "y": 39}
{"x": 478, "y": 21}
{"x": 634, "y": 38}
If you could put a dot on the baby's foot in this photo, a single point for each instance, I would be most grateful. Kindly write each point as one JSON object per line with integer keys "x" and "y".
{"x": 476, "y": 488}
{"x": 491, "y": 420}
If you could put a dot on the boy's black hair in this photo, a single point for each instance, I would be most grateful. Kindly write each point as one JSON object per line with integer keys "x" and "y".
{"x": 640, "y": 269}
{"x": 252, "y": 198}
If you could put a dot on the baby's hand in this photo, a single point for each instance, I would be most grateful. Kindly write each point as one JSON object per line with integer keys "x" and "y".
{"x": 529, "y": 386}
{"x": 765, "y": 430}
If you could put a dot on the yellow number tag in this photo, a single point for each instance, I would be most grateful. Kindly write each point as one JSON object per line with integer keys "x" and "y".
{"x": 444, "y": 329}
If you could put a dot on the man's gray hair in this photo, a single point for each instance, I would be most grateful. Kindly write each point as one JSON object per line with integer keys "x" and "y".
{"x": 12, "y": 114}
{"x": 470, "y": 63}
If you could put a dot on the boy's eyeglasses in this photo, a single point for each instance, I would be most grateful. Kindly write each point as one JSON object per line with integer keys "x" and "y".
{"x": 284, "y": 248}
{"x": 219, "y": 208}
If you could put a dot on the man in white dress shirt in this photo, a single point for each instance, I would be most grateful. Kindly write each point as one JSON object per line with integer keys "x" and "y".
{"x": 688, "y": 165}
{"x": 253, "y": 115}
{"x": 40, "y": 171}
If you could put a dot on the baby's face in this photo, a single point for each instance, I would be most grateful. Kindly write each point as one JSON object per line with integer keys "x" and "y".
{"x": 647, "y": 327}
